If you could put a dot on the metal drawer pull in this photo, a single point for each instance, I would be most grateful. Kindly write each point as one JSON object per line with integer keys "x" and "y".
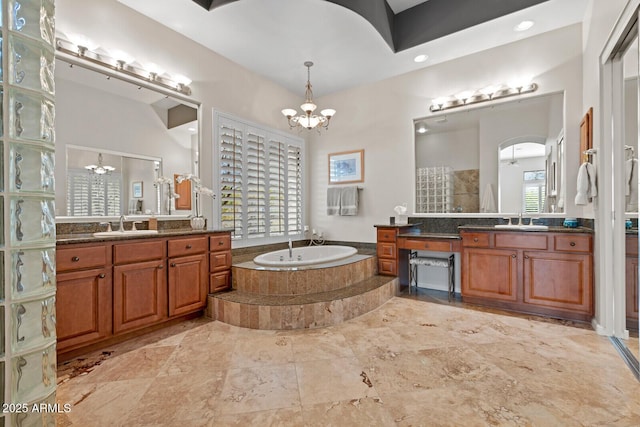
{"x": 173, "y": 264}
{"x": 220, "y": 243}
{"x": 101, "y": 275}
{"x": 513, "y": 255}
{"x": 475, "y": 239}
{"x": 526, "y": 257}
{"x": 572, "y": 243}
{"x": 160, "y": 267}
{"x": 75, "y": 259}
{"x": 188, "y": 246}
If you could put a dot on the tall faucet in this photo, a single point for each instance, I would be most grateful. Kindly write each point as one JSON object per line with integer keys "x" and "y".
{"x": 290, "y": 249}
{"x": 122, "y": 219}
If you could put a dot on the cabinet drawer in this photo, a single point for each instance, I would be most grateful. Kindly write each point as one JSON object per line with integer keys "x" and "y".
{"x": 387, "y": 267}
{"x": 526, "y": 240}
{"x": 219, "y": 281}
{"x": 220, "y": 242}
{"x": 127, "y": 253}
{"x": 424, "y": 244}
{"x": 386, "y": 234}
{"x": 188, "y": 246}
{"x": 81, "y": 258}
{"x": 219, "y": 261}
{"x": 478, "y": 240}
{"x": 386, "y": 250}
{"x": 572, "y": 243}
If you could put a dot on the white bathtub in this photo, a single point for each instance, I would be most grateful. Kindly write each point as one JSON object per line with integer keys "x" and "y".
{"x": 308, "y": 255}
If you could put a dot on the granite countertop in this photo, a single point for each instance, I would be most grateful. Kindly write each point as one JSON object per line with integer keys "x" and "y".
{"x": 417, "y": 224}
{"x": 431, "y": 235}
{"x": 65, "y": 239}
{"x": 552, "y": 229}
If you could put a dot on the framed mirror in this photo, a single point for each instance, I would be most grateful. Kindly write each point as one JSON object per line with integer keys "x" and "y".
{"x": 147, "y": 135}
{"x": 464, "y": 145}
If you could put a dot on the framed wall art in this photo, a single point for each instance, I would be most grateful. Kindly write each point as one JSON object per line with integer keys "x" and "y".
{"x": 346, "y": 167}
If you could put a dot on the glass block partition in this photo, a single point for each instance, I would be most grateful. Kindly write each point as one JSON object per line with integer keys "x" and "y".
{"x": 27, "y": 241}
{"x": 434, "y": 189}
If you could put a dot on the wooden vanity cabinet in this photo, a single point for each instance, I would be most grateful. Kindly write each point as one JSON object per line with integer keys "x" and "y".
{"x": 188, "y": 281}
{"x": 536, "y": 272}
{"x": 631, "y": 282}
{"x": 387, "y": 248}
{"x": 84, "y": 296}
{"x": 490, "y": 273}
{"x": 219, "y": 262}
{"x": 139, "y": 284}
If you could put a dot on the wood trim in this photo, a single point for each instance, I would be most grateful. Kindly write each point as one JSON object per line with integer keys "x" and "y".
{"x": 586, "y": 136}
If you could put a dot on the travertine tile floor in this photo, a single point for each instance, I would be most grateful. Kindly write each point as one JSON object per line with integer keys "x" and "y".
{"x": 408, "y": 363}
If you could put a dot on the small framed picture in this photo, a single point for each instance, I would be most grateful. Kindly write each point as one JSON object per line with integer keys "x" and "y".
{"x": 136, "y": 189}
{"x": 346, "y": 167}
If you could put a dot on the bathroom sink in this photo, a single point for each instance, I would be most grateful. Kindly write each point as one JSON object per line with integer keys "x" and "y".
{"x": 533, "y": 227}
{"x": 124, "y": 233}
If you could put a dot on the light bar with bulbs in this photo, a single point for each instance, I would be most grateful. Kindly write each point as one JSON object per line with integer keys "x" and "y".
{"x": 488, "y": 93}
{"x": 82, "y": 48}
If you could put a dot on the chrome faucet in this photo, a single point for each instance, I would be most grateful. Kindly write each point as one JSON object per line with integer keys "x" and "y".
{"x": 122, "y": 219}
{"x": 519, "y": 218}
{"x": 290, "y": 249}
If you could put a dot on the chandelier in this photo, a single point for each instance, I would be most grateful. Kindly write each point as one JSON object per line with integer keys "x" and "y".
{"x": 308, "y": 119}
{"x": 100, "y": 169}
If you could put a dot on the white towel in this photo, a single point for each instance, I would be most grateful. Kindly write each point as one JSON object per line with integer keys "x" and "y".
{"x": 349, "y": 201}
{"x": 333, "y": 201}
{"x": 586, "y": 185}
{"x": 488, "y": 201}
{"x": 631, "y": 187}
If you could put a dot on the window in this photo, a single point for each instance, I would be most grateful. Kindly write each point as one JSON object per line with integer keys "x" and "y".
{"x": 93, "y": 195}
{"x": 260, "y": 181}
{"x": 534, "y": 189}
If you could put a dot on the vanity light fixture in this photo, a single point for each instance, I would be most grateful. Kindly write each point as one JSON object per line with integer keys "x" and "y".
{"x": 308, "y": 120}
{"x": 488, "y": 93}
{"x": 84, "y": 50}
{"x": 100, "y": 169}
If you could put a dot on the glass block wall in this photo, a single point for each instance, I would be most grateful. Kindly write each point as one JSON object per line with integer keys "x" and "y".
{"x": 27, "y": 241}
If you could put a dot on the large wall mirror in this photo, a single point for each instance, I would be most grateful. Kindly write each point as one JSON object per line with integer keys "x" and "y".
{"x": 503, "y": 157}
{"x": 145, "y": 138}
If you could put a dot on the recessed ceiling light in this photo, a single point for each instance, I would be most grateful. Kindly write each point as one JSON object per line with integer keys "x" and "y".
{"x": 191, "y": 129}
{"x": 421, "y": 58}
{"x": 523, "y": 26}
{"x": 422, "y": 129}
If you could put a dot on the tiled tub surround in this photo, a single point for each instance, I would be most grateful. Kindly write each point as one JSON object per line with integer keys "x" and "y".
{"x": 301, "y": 298}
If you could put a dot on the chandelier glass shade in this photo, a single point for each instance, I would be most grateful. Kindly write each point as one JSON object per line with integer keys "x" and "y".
{"x": 100, "y": 169}
{"x": 308, "y": 120}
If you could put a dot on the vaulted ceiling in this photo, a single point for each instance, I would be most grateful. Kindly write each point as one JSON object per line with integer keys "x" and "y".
{"x": 352, "y": 42}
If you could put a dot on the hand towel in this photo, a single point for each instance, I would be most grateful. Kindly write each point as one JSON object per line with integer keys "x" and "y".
{"x": 586, "y": 184}
{"x": 488, "y": 201}
{"x": 349, "y": 201}
{"x": 631, "y": 187}
{"x": 333, "y": 201}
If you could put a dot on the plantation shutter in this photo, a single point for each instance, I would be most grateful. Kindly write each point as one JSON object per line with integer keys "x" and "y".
{"x": 256, "y": 185}
{"x": 260, "y": 181}
{"x": 231, "y": 189}
{"x": 94, "y": 195}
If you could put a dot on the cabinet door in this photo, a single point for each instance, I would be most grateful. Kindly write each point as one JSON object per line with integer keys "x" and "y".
{"x": 219, "y": 281}
{"x": 188, "y": 277}
{"x": 139, "y": 295}
{"x": 631, "y": 299}
{"x": 558, "y": 280}
{"x": 83, "y": 307}
{"x": 490, "y": 273}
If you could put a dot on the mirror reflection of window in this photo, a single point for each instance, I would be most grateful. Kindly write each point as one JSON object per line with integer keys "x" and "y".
{"x": 534, "y": 191}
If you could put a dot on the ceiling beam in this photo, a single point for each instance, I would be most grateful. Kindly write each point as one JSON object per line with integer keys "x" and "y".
{"x": 422, "y": 23}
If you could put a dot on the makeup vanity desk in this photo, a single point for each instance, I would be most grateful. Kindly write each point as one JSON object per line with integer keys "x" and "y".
{"x": 395, "y": 243}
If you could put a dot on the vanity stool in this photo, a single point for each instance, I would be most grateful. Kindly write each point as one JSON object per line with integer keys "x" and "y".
{"x": 415, "y": 261}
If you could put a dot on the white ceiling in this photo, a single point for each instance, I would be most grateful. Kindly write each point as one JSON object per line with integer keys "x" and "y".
{"x": 275, "y": 37}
